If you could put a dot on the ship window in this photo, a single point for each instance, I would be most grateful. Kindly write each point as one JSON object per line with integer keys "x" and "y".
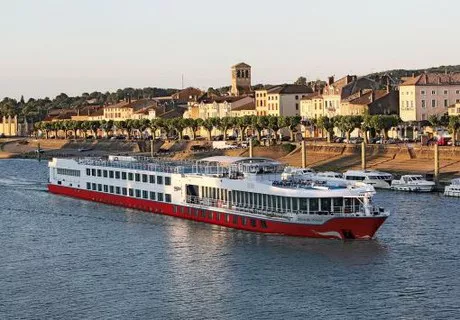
{"x": 168, "y": 181}
{"x": 117, "y": 174}
{"x": 217, "y": 216}
{"x": 88, "y": 185}
{"x": 235, "y": 219}
{"x": 326, "y": 204}
{"x": 152, "y": 179}
{"x": 138, "y": 193}
{"x": 160, "y": 196}
{"x": 167, "y": 197}
{"x": 314, "y": 206}
{"x": 94, "y": 186}
{"x": 159, "y": 179}
{"x": 106, "y": 188}
{"x": 88, "y": 171}
{"x": 123, "y": 175}
{"x": 124, "y": 191}
{"x": 152, "y": 195}
{"x": 111, "y": 189}
{"x": 145, "y": 194}
{"x": 104, "y": 173}
{"x": 253, "y": 222}
{"x": 99, "y": 187}
{"x": 295, "y": 206}
{"x": 203, "y": 214}
{"x": 269, "y": 200}
{"x": 111, "y": 174}
{"x": 117, "y": 190}
{"x": 283, "y": 203}
{"x": 263, "y": 224}
{"x": 138, "y": 177}
{"x": 144, "y": 178}
{"x": 93, "y": 172}
{"x": 99, "y": 172}
{"x": 68, "y": 172}
{"x": 130, "y": 176}
{"x": 279, "y": 203}
{"x": 243, "y": 221}
{"x": 131, "y": 192}
{"x": 337, "y": 204}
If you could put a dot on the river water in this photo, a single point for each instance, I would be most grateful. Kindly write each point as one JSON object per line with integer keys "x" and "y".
{"x": 62, "y": 258}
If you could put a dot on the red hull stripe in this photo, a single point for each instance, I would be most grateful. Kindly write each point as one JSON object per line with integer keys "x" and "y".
{"x": 336, "y": 228}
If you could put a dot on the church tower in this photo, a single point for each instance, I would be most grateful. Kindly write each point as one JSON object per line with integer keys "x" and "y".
{"x": 241, "y": 79}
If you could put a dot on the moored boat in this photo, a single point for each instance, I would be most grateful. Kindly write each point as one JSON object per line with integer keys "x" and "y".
{"x": 377, "y": 179}
{"x": 453, "y": 190}
{"x": 413, "y": 183}
{"x": 235, "y": 192}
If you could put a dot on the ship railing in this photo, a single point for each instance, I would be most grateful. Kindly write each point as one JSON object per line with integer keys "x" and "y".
{"x": 341, "y": 211}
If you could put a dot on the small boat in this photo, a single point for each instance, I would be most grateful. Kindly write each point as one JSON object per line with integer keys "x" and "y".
{"x": 453, "y": 190}
{"x": 414, "y": 183}
{"x": 293, "y": 173}
{"x": 376, "y": 179}
{"x": 330, "y": 174}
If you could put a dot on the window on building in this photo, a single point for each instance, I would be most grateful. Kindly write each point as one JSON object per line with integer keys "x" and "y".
{"x": 145, "y": 194}
{"x": 159, "y": 179}
{"x": 105, "y": 173}
{"x": 433, "y": 91}
{"x": 88, "y": 171}
{"x": 99, "y": 172}
{"x": 445, "y": 92}
{"x": 131, "y": 192}
{"x": 93, "y": 172}
{"x": 446, "y": 103}
{"x": 124, "y": 191}
{"x": 297, "y": 106}
{"x": 152, "y": 195}
{"x": 152, "y": 179}
{"x": 160, "y": 196}
{"x": 117, "y": 174}
{"x": 138, "y": 177}
{"x": 423, "y": 104}
{"x": 99, "y": 187}
{"x": 130, "y": 176}
{"x": 144, "y": 178}
{"x": 111, "y": 174}
{"x": 433, "y": 103}
{"x": 93, "y": 186}
{"x": 457, "y": 91}
{"x": 167, "y": 197}
{"x": 297, "y": 97}
{"x": 111, "y": 189}
{"x": 422, "y": 92}
{"x": 88, "y": 185}
{"x": 117, "y": 190}
{"x": 167, "y": 181}
{"x": 123, "y": 175}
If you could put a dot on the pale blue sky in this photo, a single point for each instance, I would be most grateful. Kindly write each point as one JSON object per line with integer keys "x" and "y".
{"x": 53, "y": 46}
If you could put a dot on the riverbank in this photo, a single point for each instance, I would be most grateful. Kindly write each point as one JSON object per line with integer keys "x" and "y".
{"x": 397, "y": 159}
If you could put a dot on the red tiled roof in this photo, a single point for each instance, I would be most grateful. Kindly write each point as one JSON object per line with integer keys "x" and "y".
{"x": 248, "y": 106}
{"x": 433, "y": 79}
{"x": 369, "y": 97}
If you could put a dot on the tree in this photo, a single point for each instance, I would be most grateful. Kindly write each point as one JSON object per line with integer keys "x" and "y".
{"x": 366, "y": 125}
{"x": 328, "y": 125}
{"x": 383, "y": 123}
{"x": 434, "y": 121}
{"x": 454, "y": 126}
{"x": 225, "y": 124}
{"x": 273, "y": 125}
{"x": 301, "y": 81}
{"x": 292, "y": 123}
{"x": 208, "y": 124}
{"x": 347, "y": 124}
{"x": 259, "y": 123}
{"x": 243, "y": 123}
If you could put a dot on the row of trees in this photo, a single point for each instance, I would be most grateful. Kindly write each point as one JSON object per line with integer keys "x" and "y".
{"x": 376, "y": 124}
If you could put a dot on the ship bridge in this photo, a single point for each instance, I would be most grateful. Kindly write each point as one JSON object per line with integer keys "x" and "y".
{"x": 237, "y": 167}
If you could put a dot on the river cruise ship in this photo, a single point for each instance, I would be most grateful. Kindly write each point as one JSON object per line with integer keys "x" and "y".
{"x": 235, "y": 192}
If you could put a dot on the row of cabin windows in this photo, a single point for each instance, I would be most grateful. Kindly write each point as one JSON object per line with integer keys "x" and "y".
{"x": 273, "y": 202}
{"x": 68, "y": 172}
{"x": 143, "y": 194}
{"x": 219, "y": 216}
{"x": 130, "y": 176}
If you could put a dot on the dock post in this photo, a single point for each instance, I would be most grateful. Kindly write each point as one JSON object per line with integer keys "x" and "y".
{"x": 363, "y": 155}
{"x": 304, "y": 154}
{"x": 250, "y": 148}
{"x": 436, "y": 163}
{"x": 151, "y": 147}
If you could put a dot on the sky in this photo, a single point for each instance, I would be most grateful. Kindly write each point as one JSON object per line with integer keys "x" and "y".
{"x": 76, "y": 46}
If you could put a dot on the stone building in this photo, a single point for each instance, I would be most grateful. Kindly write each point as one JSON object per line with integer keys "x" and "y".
{"x": 241, "y": 79}
{"x": 9, "y": 126}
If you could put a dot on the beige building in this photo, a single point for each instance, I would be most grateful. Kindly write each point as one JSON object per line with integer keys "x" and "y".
{"x": 9, "y": 126}
{"x": 248, "y": 109}
{"x": 312, "y": 106}
{"x": 454, "y": 110}
{"x": 220, "y": 107}
{"x": 284, "y": 100}
{"x": 139, "y": 109}
{"x": 241, "y": 79}
{"x": 428, "y": 94}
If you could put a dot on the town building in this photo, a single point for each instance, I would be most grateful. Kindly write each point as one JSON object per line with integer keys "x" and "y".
{"x": 220, "y": 107}
{"x": 241, "y": 79}
{"x": 312, "y": 106}
{"x": 428, "y": 94}
{"x": 371, "y": 102}
{"x": 454, "y": 110}
{"x": 282, "y": 100}
{"x": 138, "y": 109}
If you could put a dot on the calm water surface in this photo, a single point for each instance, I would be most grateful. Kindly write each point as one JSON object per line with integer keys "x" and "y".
{"x": 62, "y": 258}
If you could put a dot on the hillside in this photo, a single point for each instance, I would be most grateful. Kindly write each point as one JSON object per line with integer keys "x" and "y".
{"x": 397, "y": 74}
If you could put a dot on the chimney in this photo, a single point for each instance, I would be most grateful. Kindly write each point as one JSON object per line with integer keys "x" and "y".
{"x": 331, "y": 80}
{"x": 360, "y": 92}
{"x": 372, "y": 96}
